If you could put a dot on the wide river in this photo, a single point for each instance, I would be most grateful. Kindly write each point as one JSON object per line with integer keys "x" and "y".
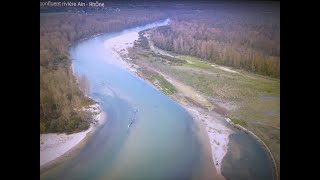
{"x": 161, "y": 143}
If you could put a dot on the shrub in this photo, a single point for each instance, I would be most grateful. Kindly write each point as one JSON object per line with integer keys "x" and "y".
{"x": 42, "y": 127}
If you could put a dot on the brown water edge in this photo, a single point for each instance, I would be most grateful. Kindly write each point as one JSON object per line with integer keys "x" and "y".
{"x": 73, "y": 152}
{"x": 208, "y": 170}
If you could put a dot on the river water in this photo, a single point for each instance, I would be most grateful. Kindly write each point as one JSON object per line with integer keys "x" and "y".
{"x": 246, "y": 159}
{"x": 161, "y": 143}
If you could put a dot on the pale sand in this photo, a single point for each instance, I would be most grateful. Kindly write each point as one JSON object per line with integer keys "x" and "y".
{"x": 217, "y": 132}
{"x": 119, "y": 49}
{"x": 54, "y": 145}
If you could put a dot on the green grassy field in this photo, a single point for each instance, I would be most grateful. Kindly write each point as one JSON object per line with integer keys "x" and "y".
{"x": 194, "y": 62}
{"x": 160, "y": 82}
{"x": 240, "y": 122}
{"x": 257, "y": 98}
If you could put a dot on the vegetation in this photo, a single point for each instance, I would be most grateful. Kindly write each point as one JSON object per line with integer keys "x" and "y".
{"x": 142, "y": 41}
{"x": 238, "y": 121}
{"x": 248, "y": 99}
{"x": 160, "y": 82}
{"x": 194, "y": 62}
{"x": 245, "y": 36}
{"x": 165, "y": 86}
{"x": 168, "y": 60}
{"x": 60, "y": 93}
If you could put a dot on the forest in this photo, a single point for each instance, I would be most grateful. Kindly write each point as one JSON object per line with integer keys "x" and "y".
{"x": 243, "y": 36}
{"x": 61, "y": 94}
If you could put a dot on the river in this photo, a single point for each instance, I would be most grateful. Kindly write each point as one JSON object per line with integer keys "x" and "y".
{"x": 146, "y": 136}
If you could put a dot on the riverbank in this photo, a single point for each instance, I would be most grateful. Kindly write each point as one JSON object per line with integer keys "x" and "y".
{"x": 218, "y": 133}
{"x": 215, "y": 130}
{"x": 238, "y": 126}
{"x": 54, "y": 145}
{"x": 119, "y": 49}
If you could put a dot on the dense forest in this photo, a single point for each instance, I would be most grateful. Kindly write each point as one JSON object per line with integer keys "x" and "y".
{"x": 61, "y": 94}
{"x": 245, "y": 36}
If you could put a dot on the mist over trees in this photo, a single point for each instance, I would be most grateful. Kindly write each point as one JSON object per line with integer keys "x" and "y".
{"x": 245, "y": 36}
{"x": 60, "y": 94}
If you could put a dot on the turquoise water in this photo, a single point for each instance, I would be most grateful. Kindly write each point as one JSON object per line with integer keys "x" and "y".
{"x": 160, "y": 144}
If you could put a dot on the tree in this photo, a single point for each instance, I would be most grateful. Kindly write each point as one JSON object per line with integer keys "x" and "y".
{"x": 84, "y": 84}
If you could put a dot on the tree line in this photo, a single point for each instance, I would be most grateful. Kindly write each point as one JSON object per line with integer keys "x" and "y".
{"x": 61, "y": 95}
{"x": 245, "y": 37}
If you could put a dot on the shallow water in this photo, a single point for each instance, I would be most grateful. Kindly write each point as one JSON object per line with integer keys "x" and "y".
{"x": 246, "y": 159}
{"x": 160, "y": 144}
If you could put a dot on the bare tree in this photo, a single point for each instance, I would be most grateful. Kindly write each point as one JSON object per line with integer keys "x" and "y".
{"x": 84, "y": 84}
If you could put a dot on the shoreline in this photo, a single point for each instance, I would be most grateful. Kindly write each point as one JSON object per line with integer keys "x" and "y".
{"x": 55, "y": 145}
{"x": 260, "y": 141}
{"x": 217, "y": 133}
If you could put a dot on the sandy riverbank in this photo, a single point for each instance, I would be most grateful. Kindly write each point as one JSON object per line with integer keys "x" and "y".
{"x": 119, "y": 48}
{"x": 55, "y": 145}
{"x": 217, "y": 133}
